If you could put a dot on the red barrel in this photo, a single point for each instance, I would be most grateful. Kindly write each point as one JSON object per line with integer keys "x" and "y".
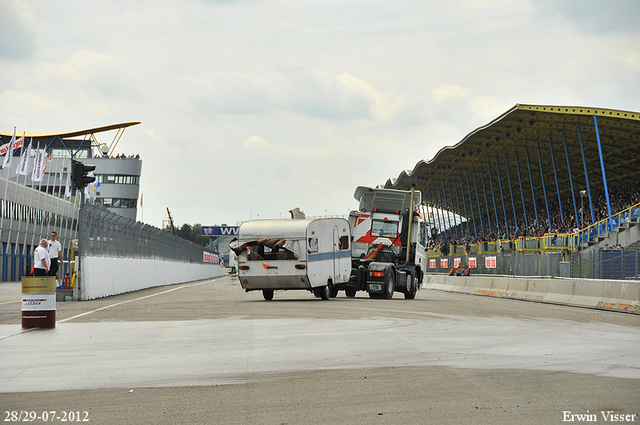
{"x": 39, "y": 302}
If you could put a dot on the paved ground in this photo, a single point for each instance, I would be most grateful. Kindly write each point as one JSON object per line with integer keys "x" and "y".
{"x": 206, "y": 352}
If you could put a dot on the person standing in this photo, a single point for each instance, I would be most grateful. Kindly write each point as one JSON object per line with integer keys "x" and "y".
{"x": 41, "y": 260}
{"x": 54, "y": 250}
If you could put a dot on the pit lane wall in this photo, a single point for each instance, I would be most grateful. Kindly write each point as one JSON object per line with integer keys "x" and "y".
{"x": 103, "y": 277}
{"x": 614, "y": 295}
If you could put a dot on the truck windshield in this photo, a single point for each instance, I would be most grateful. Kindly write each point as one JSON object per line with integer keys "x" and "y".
{"x": 384, "y": 229}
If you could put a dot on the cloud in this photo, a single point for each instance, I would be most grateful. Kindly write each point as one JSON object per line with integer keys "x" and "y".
{"x": 16, "y": 37}
{"x": 593, "y": 16}
{"x": 311, "y": 93}
{"x": 256, "y": 141}
{"x": 454, "y": 102}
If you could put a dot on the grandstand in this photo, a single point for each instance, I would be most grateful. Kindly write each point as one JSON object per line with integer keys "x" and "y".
{"x": 545, "y": 190}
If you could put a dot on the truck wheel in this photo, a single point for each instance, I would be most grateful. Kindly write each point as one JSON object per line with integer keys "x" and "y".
{"x": 334, "y": 292}
{"x": 323, "y": 292}
{"x": 390, "y": 283}
{"x": 350, "y": 292}
{"x": 267, "y": 294}
{"x": 412, "y": 287}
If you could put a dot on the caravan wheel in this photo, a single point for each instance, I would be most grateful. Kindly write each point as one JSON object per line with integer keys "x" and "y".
{"x": 267, "y": 294}
{"x": 323, "y": 292}
{"x": 334, "y": 292}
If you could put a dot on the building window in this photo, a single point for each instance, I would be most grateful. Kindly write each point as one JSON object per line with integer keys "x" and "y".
{"x": 117, "y": 179}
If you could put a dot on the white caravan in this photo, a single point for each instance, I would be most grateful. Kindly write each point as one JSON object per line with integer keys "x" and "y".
{"x": 310, "y": 254}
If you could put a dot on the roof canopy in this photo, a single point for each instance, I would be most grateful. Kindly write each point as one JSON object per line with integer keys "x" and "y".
{"x": 530, "y": 146}
{"x": 76, "y": 133}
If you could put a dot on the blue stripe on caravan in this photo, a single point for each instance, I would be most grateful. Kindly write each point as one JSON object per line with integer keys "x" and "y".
{"x": 328, "y": 256}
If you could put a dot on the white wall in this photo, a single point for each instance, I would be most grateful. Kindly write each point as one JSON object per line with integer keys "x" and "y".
{"x": 102, "y": 277}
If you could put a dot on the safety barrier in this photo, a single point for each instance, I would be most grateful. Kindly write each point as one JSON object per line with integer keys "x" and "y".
{"x": 104, "y": 277}
{"x": 516, "y": 288}
{"x": 621, "y": 296}
{"x": 618, "y": 296}
{"x": 537, "y": 289}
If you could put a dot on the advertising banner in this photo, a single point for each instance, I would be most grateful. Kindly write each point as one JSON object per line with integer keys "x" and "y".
{"x": 220, "y": 230}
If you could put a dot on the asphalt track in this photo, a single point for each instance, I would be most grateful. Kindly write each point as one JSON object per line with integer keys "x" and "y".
{"x": 208, "y": 353}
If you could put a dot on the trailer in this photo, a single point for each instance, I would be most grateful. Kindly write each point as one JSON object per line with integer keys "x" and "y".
{"x": 301, "y": 254}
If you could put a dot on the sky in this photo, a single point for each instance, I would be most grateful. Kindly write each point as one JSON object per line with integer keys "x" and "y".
{"x": 250, "y": 108}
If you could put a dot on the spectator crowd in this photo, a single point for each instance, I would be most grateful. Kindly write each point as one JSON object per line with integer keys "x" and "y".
{"x": 486, "y": 229}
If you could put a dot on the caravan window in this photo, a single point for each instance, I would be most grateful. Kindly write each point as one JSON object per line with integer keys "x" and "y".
{"x": 344, "y": 242}
{"x": 384, "y": 229}
{"x": 313, "y": 245}
{"x": 273, "y": 249}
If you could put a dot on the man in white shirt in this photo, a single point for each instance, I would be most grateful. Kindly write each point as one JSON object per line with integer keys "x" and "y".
{"x": 41, "y": 260}
{"x": 55, "y": 254}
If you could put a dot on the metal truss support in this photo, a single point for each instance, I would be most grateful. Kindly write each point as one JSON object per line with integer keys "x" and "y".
{"x": 452, "y": 209}
{"x": 544, "y": 186}
{"x": 493, "y": 196}
{"x": 533, "y": 194}
{"x": 604, "y": 176}
{"x": 475, "y": 229}
{"x": 475, "y": 182}
{"x": 446, "y": 208}
{"x": 573, "y": 194}
{"x": 504, "y": 209}
{"x": 486, "y": 200}
{"x": 586, "y": 176}
{"x": 555, "y": 174}
{"x": 440, "y": 224}
{"x": 455, "y": 188}
{"x": 513, "y": 204}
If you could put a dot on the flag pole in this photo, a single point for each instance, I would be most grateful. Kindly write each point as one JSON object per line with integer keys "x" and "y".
{"x": 6, "y": 186}
{"x": 25, "y": 192}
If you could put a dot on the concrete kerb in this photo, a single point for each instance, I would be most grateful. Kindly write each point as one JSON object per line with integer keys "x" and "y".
{"x": 620, "y": 296}
{"x": 517, "y": 288}
{"x": 436, "y": 282}
{"x": 587, "y": 293}
{"x": 491, "y": 286}
{"x": 471, "y": 283}
{"x": 459, "y": 283}
{"x": 537, "y": 289}
{"x": 559, "y": 291}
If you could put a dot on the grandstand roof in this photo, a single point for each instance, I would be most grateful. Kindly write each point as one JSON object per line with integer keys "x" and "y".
{"x": 519, "y": 131}
{"x": 75, "y": 133}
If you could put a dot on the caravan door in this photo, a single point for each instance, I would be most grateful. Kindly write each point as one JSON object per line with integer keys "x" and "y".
{"x": 335, "y": 277}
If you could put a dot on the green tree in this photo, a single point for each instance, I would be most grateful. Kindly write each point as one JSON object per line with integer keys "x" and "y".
{"x": 192, "y": 233}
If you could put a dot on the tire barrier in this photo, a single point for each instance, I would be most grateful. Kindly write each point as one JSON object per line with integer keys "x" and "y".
{"x": 39, "y": 302}
{"x": 621, "y": 296}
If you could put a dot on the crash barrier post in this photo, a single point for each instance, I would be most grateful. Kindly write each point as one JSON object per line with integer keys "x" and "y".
{"x": 39, "y": 302}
